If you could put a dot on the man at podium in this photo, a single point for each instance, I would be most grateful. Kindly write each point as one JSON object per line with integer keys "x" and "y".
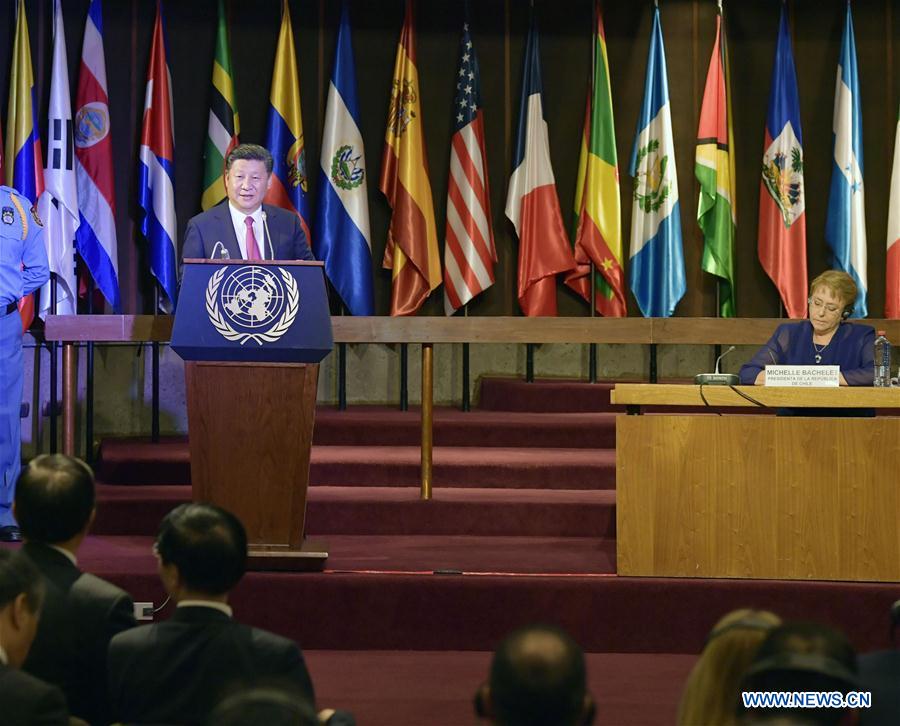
{"x": 245, "y": 228}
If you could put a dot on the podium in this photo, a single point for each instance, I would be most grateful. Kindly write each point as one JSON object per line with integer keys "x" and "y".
{"x": 251, "y": 335}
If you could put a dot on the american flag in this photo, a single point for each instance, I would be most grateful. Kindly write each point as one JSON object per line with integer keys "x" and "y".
{"x": 469, "y": 253}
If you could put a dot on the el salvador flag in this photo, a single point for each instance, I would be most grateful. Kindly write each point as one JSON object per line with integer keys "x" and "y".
{"x": 845, "y": 225}
{"x": 342, "y": 218}
{"x": 656, "y": 260}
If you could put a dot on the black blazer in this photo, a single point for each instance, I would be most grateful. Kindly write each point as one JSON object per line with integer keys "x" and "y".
{"x": 28, "y": 701}
{"x": 80, "y": 614}
{"x": 174, "y": 672}
{"x": 212, "y": 230}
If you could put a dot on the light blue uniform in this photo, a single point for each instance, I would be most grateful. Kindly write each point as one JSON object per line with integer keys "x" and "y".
{"x": 23, "y": 269}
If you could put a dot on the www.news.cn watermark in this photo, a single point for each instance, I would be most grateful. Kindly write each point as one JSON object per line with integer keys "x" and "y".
{"x": 806, "y": 699}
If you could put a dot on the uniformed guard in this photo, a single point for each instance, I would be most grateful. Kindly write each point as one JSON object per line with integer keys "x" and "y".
{"x": 23, "y": 269}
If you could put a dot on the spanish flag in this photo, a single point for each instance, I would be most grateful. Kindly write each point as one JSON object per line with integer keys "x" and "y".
{"x": 598, "y": 238}
{"x": 412, "y": 246}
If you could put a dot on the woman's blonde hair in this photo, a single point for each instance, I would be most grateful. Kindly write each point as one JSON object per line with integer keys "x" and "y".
{"x": 841, "y": 285}
{"x": 712, "y": 689}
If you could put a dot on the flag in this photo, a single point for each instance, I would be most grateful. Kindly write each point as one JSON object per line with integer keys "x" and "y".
{"x": 598, "y": 236}
{"x": 58, "y": 204}
{"x": 224, "y": 125}
{"x": 342, "y": 239}
{"x": 284, "y": 130}
{"x": 469, "y": 252}
{"x": 892, "y": 288}
{"x": 845, "y": 223}
{"x": 531, "y": 202}
{"x": 656, "y": 264}
{"x": 156, "y": 172}
{"x": 716, "y": 210}
{"x": 95, "y": 239}
{"x": 23, "y": 142}
{"x": 782, "y": 195}
{"x": 411, "y": 252}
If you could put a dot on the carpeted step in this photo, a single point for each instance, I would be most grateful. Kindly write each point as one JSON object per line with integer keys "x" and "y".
{"x": 392, "y": 511}
{"x": 131, "y": 461}
{"x": 547, "y": 395}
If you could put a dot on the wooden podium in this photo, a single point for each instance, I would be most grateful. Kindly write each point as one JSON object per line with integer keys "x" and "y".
{"x": 251, "y": 335}
{"x": 755, "y": 496}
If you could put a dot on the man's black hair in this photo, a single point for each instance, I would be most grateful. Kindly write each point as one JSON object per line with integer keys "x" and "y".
{"x": 538, "y": 678}
{"x": 19, "y": 575}
{"x": 250, "y": 152}
{"x": 54, "y": 498}
{"x": 207, "y": 544}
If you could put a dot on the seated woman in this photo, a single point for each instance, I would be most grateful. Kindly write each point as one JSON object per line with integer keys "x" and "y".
{"x": 824, "y": 339}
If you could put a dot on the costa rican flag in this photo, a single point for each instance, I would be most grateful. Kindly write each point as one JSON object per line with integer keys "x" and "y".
{"x": 156, "y": 171}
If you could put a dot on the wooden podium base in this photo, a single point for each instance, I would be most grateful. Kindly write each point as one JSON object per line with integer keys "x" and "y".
{"x": 310, "y": 557}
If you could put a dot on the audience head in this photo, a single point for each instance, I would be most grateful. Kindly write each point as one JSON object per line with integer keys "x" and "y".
{"x": 202, "y": 550}
{"x": 801, "y": 657}
{"x": 54, "y": 500}
{"x": 264, "y": 705}
{"x": 538, "y": 678}
{"x": 713, "y": 687}
{"x": 21, "y": 593}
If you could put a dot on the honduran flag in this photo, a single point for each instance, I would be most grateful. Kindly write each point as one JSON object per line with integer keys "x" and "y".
{"x": 156, "y": 171}
{"x": 25, "y": 166}
{"x": 892, "y": 266}
{"x": 845, "y": 225}
{"x": 532, "y": 204}
{"x": 95, "y": 239}
{"x": 782, "y": 194}
{"x": 284, "y": 130}
{"x": 342, "y": 239}
{"x": 656, "y": 262}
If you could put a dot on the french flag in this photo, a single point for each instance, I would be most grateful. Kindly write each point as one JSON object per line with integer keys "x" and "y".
{"x": 532, "y": 204}
{"x": 156, "y": 171}
{"x": 95, "y": 239}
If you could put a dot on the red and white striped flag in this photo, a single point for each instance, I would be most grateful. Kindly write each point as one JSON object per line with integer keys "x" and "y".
{"x": 469, "y": 252}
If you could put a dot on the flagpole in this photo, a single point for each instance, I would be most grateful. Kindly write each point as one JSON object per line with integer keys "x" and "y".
{"x": 154, "y": 372}
{"x": 89, "y": 386}
{"x": 592, "y": 347}
{"x": 465, "y": 367}
{"x": 54, "y": 350}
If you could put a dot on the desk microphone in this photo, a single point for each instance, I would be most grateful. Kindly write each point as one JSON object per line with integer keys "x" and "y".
{"x": 268, "y": 236}
{"x": 718, "y": 379}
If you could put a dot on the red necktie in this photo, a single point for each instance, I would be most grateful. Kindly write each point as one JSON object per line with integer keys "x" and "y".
{"x": 252, "y": 246}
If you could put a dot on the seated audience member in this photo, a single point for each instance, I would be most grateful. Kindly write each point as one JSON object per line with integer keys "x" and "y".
{"x": 801, "y": 657}
{"x": 176, "y": 671}
{"x": 271, "y": 706}
{"x": 24, "y": 699}
{"x": 54, "y": 505}
{"x": 538, "y": 678}
{"x": 712, "y": 689}
{"x": 879, "y": 673}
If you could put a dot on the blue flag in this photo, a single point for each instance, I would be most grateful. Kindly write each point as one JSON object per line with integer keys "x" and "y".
{"x": 342, "y": 237}
{"x": 845, "y": 225}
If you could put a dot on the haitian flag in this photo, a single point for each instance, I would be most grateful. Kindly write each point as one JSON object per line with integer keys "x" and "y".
{"x": 156, "y": 171}
{"x": 782, "y": 203}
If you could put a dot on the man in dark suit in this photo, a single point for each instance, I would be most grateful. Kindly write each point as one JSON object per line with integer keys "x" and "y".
{"x": 174, "y": 672}
{"x": 24, "y": 699}
{"x": 54, "y": 506}
{"x": 244, "y": 228}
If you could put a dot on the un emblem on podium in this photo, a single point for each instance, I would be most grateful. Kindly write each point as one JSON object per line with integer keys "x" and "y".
{"x": 252, "y": 303}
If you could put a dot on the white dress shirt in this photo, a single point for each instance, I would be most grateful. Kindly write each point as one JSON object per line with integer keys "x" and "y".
{"x": 240, "y": 230}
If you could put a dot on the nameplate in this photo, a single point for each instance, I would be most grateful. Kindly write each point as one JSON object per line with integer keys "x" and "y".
{"x": 803, "y": 376}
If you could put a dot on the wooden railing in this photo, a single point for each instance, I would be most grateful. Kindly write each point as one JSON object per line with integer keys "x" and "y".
{"x": 72, "y": 329}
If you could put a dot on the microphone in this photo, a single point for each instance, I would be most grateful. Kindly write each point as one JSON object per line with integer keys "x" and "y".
{"x": 268, "y": 236}
{"x": 225, "y": 255}
{"x": 718, "y": 379}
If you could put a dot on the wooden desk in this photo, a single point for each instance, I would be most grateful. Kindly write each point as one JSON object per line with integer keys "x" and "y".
{"x": 758, "y": 496}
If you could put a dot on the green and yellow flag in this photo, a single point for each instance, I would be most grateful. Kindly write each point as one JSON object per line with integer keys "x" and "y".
{"x": 598, "y": 238}
{"x": 224, "y": 125}
{"x": 716, "y": 213}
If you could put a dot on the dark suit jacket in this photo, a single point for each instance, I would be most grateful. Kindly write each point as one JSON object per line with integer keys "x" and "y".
{"x": 174, "y": 672}
{"x": 880, "y": 674}
{"x": 210, "y": 231}
{"x": 79, "y": 616}
{"x": 27, "y": 701}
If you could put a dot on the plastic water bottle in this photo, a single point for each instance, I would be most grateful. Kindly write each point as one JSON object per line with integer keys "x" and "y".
{"x": 882, "y": 361}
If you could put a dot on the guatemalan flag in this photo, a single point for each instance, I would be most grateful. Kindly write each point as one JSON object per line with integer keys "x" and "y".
{"x": 95, "y": 239}
{"x": 845, "y": 225}
{"x": 342, "y": 237}
{"x": 656, "y": 269}
{"x": 156, "y": 182}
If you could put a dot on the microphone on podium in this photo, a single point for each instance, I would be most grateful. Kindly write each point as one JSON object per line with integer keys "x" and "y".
{"x": 718, "y": 379}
